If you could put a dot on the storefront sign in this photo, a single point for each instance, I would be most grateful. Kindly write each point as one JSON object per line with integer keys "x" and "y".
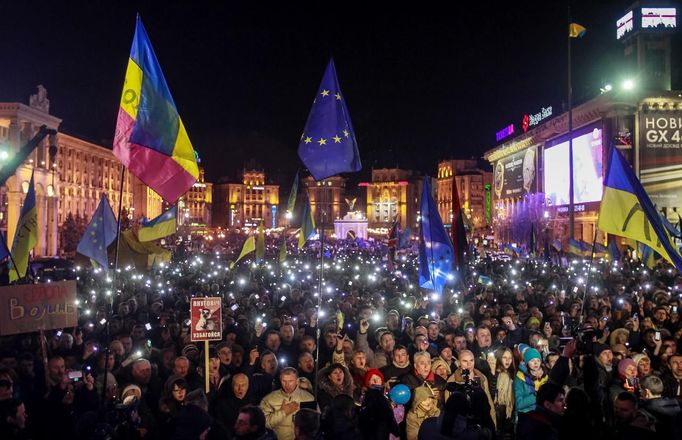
{"x": 505, "y": 132}
{"x": 535, "y": 119}
{"x": 488, "y": 208}
{"x": 515, "y": 174}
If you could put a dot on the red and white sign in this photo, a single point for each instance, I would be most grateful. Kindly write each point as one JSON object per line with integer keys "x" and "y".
{"x": 207, "y": 320}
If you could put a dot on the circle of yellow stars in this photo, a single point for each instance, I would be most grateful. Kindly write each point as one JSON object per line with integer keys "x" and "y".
{"x": 336, "y": 138}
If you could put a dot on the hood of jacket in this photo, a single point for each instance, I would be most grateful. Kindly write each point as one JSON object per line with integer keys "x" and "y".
{"x": 421, "y": 393}
{"x": 326, "y": 385}
{"x": 663, "y": 405}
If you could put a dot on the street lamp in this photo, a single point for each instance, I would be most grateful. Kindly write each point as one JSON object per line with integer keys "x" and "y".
{"x": 628, "y": 84}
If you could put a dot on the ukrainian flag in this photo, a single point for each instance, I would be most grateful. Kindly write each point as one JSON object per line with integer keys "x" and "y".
{"x": 307, "y": 225}
{"x": 577, "y": 247}
{"x": 150, "y": 138}
{"x": 627, "y": 211}
{"x": 25, "y": 236}
{"x": 159, "y": 227}
{"x": 249, "y": 246}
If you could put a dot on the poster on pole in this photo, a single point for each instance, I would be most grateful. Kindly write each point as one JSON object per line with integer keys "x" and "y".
{"x": 206, "y": 319}
{"x": 29, "y": 308}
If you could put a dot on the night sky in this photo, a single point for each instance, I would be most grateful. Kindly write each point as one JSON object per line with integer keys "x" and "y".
{"x": 421, "y": 83}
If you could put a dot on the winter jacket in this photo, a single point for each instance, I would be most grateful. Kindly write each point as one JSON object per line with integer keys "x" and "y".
{"x": 525, "y": 389}
{"x": 457, "y": 377}
{"x": 362, "y": 344}
{"x": 376, "y": 419}
{"x": 416, "y": 415}
{"x": 667, "y": 415}
{"x": 326, "y": 390}
{"x": 539, "y": 424}
{"x": 275, "y": 418}
{"x": 381, "y": 358}
{"x": 414, "y": 381}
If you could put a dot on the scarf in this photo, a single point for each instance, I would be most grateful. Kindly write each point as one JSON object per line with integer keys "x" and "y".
{"x": 505, "y": 394}
{"x": 431, "y": 378}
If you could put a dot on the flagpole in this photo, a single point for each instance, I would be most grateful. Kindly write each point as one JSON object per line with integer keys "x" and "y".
{"x": 571, "y": 189}
{"x": 589, "y": 269}
{"x": 110, "y": 304}
{"x": 319, "y": 297}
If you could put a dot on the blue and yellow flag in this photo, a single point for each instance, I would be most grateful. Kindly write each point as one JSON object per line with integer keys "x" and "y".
{"x": 307, "y": 225}
{"x": 25, "y": 236}
{"x": 576, "y": 31}
{"x": 249, "y": 246}
{"x": 99, "y": 234}
{"x": 151, "y": 140}
{"x": 159, "y": 227}
{"x": 578, "y": 247}
{"x": 648, "y": 256}
{"x": 436, "y": 254}
{"x": 627, "y": 211}
{"x": 283, "y": 249}
{"x": 328, "y": 146}
{"x": 614, "y": 252}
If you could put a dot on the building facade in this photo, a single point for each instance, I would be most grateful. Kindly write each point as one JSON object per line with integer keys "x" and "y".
{"x": 474, "y": 186}
{"x": 196, "y": 205}
{"x": 248, "y": 203}
{"x": 393, "y": 193}
{"x": 327, "y": 199}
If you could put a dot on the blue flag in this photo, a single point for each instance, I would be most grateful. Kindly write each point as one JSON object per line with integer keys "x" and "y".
{"x": 614, "y": 252}
{"x": 328, "y": 146}
{"x": 100, "y": 233}
{"x": 436, "y": 254}
{"x": 404, "y": 237}
{"x": 672, "y": 229}
{"x": 4, "y": 251}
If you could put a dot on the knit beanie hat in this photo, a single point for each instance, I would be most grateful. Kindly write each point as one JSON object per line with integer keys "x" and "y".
{"x": 637, "y": 357}
{"x": 599, "y": 348}
{"x": 368, "y": 375}
{"x": 531, "y": 354}
{"x": 625, "y": 363}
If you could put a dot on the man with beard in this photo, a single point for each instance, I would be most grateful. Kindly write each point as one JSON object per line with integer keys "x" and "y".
{"x": 400, "y": 367}
{"x": 233, "y": 397}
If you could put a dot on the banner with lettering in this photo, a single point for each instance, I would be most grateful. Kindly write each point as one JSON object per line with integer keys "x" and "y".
{"x": 206, "y": 319}
{"x": 660, "y": 157}
{"x": 28, "y": 308}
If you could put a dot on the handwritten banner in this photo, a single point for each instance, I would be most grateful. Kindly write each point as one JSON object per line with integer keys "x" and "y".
{"x": 33, "y": 307}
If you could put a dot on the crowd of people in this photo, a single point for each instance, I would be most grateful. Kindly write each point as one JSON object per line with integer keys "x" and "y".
{"x": 512, "y": 348}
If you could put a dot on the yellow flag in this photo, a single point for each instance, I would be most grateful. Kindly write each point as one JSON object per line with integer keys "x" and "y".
{"x": 25, "y": 236}
{"x": 575, "y": 30}
{"x": 249, "y": 246}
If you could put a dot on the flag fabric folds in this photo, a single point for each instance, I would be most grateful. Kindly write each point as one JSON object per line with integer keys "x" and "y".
{"x": 25, "y": 236}
{"x": 151, "y": 140}
{"x": 459, "y": 236}
{"x": 248, "y": 247}
{"x": 436, "y": 254}
{"x": 159, "y": 227}
{"x": 291, "y": 203}
{"x": 576, "y": 31}
{"x": 328, "y": 146}
{"x": 614, "y": 252}
{"x": 99, "y": 234}
{"x": 648, "y": 256}
{"x": 260, "y": 244}
{"x": 672, "y": 229}
{"x": 578, "y": 247}
{"x": 283, "y": 249}
{"x": 307, "y": 225}
{"x": 627, "y": 211}
{"x": 4, "y": 252}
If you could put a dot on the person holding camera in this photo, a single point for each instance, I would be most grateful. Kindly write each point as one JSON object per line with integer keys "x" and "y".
{"x": 471, "y": 378}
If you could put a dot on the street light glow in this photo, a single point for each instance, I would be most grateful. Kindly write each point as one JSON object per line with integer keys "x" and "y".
{"x": 628, "y": 84}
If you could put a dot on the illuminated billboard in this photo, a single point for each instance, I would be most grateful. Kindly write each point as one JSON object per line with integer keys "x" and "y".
{"x": 587, "y": 168}
{"x": 660, "y": 156}
{"x": 515, "y": 174}
{"x": 624, "y": 25}
{"x": 659, "y": 18}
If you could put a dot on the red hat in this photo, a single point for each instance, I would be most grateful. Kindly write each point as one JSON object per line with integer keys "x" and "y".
{"x": 368, "y": 375}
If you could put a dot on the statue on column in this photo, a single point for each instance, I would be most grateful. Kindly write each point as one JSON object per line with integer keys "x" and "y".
{"x": 39, "y": 100}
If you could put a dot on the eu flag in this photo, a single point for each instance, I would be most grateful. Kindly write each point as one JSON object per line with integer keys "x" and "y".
{"x": 328, "y": 146}
{"x": 99, "y": 234}
{"x": 436, "y": 254}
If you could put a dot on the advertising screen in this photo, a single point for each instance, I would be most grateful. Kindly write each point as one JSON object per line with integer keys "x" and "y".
{"x": 660, "y": 156}
{"x": 624, "y": 25}
{"x": 515, "y": 174}
{"x": 659, "y": 18}
{"x": 587, "y": 169}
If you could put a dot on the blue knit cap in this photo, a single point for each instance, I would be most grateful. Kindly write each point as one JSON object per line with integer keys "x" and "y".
{"x": 531, "y": 354}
